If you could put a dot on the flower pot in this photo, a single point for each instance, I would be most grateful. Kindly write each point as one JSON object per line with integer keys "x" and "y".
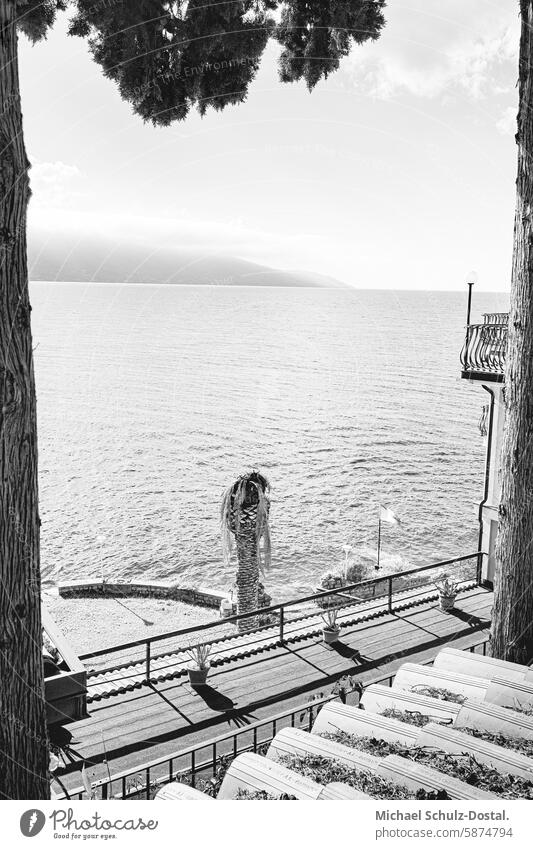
{"x": 197, "y": 677}
{"x": 447, "y": 602}
{"x": 226, "y": 608}
{"x": 330, "y": 635}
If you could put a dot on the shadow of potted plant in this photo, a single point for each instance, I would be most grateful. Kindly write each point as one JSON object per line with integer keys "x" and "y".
{"x": 448, "y": 587}
{"x": 330, "y": 631}
{"x": 199, "y": 666}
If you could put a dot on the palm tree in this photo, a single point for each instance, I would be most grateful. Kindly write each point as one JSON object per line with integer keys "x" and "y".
{"x": 244, "y": 519}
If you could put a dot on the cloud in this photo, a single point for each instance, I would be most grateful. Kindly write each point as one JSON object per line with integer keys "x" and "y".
{"x": 230, "y": 237}
{"x": 507, "y": 123}
{"x": 54, "y": 183}
{"x": 472, "y": 51}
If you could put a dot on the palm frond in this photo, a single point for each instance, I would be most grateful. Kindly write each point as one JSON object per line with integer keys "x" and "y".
{"x": 246, "y": 501}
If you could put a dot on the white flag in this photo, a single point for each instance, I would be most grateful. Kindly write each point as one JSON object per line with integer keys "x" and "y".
{"x": 388, "y": 516}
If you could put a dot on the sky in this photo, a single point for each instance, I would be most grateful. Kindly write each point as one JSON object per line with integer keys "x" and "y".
{"x": 396, "y": 172}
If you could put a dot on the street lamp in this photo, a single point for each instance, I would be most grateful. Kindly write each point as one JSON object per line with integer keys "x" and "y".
{"x": 471, "y": 278}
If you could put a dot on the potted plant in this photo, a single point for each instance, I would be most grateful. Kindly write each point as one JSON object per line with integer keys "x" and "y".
{"x": 330, "y": 631}
{"x": 199, "y": 668}
{"x": 226, "y": 608}
{"x": 329, "y": 581}
{"x": 448, "y": 587}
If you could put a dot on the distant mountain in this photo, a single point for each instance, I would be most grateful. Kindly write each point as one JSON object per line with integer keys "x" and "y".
{"x": 90, "y": 259}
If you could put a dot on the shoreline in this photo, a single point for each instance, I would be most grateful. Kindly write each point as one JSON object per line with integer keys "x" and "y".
{"x": 90, "y": 624}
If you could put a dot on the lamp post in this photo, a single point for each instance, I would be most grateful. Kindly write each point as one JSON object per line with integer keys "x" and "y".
{"x": 470, "y": 280}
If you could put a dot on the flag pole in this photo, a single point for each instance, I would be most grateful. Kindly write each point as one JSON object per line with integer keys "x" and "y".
{"x": 379, "y": 538}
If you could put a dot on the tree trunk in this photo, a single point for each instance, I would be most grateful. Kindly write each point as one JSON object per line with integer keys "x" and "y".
{"x": 512, "y": 628}
{"x": 247, "y": 576}
{"x": 23, "y": 734}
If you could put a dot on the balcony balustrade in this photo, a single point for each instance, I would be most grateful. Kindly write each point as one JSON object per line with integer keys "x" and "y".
{"x": 484, "y": 349}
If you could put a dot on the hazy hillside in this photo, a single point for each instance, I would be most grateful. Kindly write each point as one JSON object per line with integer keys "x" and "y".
{"x": 65, "y": 258}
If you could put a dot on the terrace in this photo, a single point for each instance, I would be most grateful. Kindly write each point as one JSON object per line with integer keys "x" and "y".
{"x": 456, "y": 727}
{"x": 147, "y": 724}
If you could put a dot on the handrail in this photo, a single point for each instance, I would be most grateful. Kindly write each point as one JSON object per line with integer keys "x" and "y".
{"x": 495, "y": 317}
{"x": 485, "y": 347}
{"x": 263, "y": 611}
{"x": 216, "y": 742}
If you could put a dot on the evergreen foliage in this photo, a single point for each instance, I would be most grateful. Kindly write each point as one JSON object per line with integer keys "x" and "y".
{"x": 35, "y": 17}
{"x": 168, "y": 56}
{"x": 316, "y": 34}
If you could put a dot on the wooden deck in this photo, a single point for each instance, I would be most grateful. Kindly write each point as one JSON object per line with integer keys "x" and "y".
{"x": 159, "y": 719}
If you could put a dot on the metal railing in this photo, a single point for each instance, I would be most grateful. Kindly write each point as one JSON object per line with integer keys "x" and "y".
{"x": 496, "y": 317}
{"x": 485, "y": 347}
{"x": 376, "y": 593}
{"x": 193, "y": 763}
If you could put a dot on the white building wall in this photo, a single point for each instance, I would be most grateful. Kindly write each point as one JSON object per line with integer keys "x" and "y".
{"x": 489, "y": 509}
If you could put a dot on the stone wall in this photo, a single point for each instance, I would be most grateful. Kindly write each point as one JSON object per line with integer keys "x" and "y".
{"x": 199, "y": 596}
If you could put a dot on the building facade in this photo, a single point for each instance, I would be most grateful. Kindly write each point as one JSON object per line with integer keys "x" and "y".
{"x": 483, "y": 362}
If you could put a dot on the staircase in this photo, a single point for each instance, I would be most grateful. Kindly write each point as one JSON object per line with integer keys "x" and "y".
{"x": 461, "y": 690}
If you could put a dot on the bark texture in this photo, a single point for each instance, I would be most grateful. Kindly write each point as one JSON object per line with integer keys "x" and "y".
{"x": 244, "y": 515}
{"x": 23, "y": 735}
{"x": 247, "y": 573}
{"x": 512, "y": 627}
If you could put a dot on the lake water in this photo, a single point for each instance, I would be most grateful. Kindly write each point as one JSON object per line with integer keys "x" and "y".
{"x": 153, "y": 399}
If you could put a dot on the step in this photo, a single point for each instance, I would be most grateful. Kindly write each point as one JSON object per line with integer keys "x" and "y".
{"x": 378, "y": 698}
{"x": 510, "y": 694}
{"x": 478, "y": 665}
{"x": 252, "y": 772}
{"x": 177, "y": 790}
{"x": 500, "y": 720}
{"x": 362, "y": 723}
{"x": 295, "y": 741}
{"x": 416, "y": 776}
{"x": 338, "y": 790}
{"x": 412, "y": 676}
{"x": 456, "y": 742}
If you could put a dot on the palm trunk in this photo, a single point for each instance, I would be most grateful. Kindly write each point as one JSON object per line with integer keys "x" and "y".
{"x": 247, "y": 577}
{"x": 512, "y": 628}
{"x": 23, "y": 735}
